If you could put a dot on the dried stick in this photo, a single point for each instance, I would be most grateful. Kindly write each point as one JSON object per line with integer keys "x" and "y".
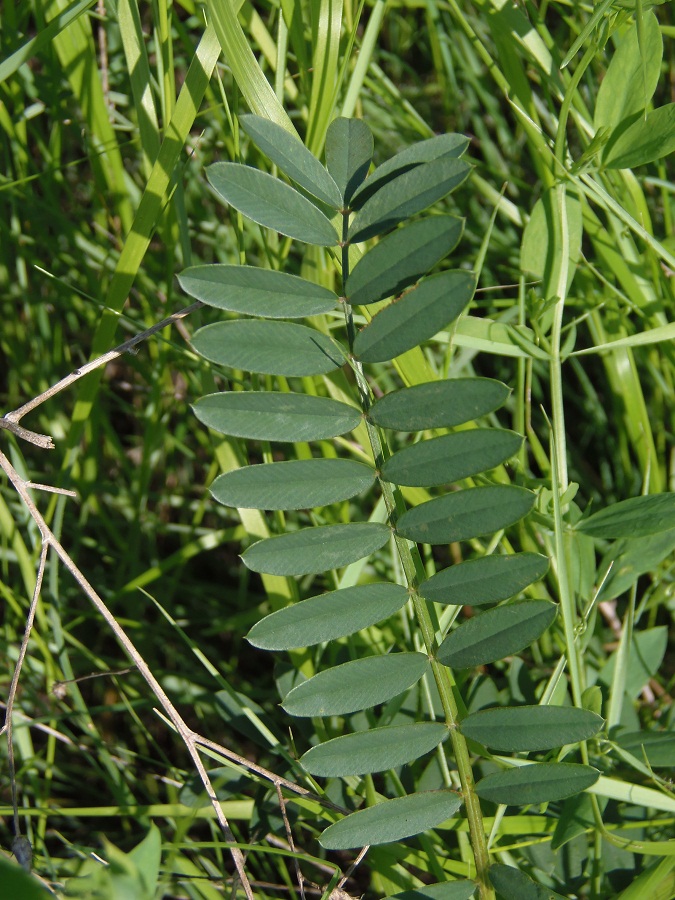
{"x": 11, "y": 420}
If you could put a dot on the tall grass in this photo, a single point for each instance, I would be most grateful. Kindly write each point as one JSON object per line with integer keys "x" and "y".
{"x": 108, "y": 117}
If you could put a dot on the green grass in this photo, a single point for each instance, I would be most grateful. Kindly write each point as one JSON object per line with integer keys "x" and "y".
{"x": 103, "y": 199}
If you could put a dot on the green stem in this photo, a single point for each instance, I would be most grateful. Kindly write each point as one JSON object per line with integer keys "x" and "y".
{"x": 415, "y": 574}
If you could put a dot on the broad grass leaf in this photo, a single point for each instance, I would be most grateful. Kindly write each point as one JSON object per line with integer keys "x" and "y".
{"x": 276, "y": 416}
{"x": 407, "y": 195}
{"x": 451, "y": 145}
{"x": 645, "y": 140}
{"x": 373, "y": 751}
{"x": 438, "y": 404}
{"x": 295, "y": 484}
{"x": 512, "y": 884}
{"x": 442, "y": 890}
{"x": 657, "y": 746}
{"x": 293, "y": 158}
{"x": 631, "y": 77}
{"x": 392, "y": 820}
{"x": 359, "y": 684}
{"x": 313, "y": 550}
{"x": 633, "y": 518}
{"x": 497, "y": 633}
{"x": 271, "y": 203}
{"x": 530, "y": 728}
{"x": 268, "y": 347}
{"x": 539, "y": 251}
{"x": 349, "y": 151}
{"x": 536, "y": 783}
{"x": 401, "y": 258}
{"x": 451, "y": 457}
{"x": 461, "y": 515}
{"x": 256, "y": 292}
{"x": 490, "y": 579}
{"x": 328, "y": 616}
{"x": 415, "y": 317}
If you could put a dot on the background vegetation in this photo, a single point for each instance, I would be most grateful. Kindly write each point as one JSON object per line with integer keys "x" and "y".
{"x": 109, "y": 115}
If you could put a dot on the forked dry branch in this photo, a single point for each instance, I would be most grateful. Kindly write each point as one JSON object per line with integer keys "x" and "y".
{"x": 193, "y": 741}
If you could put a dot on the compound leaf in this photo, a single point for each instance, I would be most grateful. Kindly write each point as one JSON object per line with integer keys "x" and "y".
{"x": 269, "y": 348}
{"x": 256, "y": 292}
{"x": 327, "y": 616}
{"x": 497, "y": 633}
{"x": 276, "y": 416}
{"x": 313, "y": 550}
{"x": 392, "y": 820}
{"x": 356, "y": 685}
{"x": 416, "y": 317}
{"x": 271, "y": 203}
{"x": 373, "y": 751}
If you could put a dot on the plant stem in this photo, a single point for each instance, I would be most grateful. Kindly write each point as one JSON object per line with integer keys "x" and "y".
{"x": 414, "y": 573}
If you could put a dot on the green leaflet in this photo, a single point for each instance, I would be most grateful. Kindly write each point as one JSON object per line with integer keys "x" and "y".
{"x": 256, "y": 292}
{"x": 296, "y": 484}
{"x": 406, "y": 195}
{"x": 401, "y": 258}
{"x": 633, "y": 518}
{"x": 327, "y": 616}
{"x": 269, "y": 348}
{"x": 443, "y": 890}
{"x": 415, "y": 317}
{"x": 271, "y": 203}
{"x": 438, "y": 404}
{"x": 497, "y": 633}
{"x": 530, "y": 728}
{"x": 374, "y": 751}
{"x": 356, "y": 685}
{"x": 273, "y": 416}
{"x": 349, "y": 150}
{"x": 392, "y": 820}
{"x": 313, "y": 550}
{"x": 451, "y": 457}
{"x": 293, "y": 158}
{"x": 513, "y": 884}
{"x": 461, "y": 515}
{"x": 489, "y": 579}
{"x": 537, "y": 783}
{"x": 424, "y": 151}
